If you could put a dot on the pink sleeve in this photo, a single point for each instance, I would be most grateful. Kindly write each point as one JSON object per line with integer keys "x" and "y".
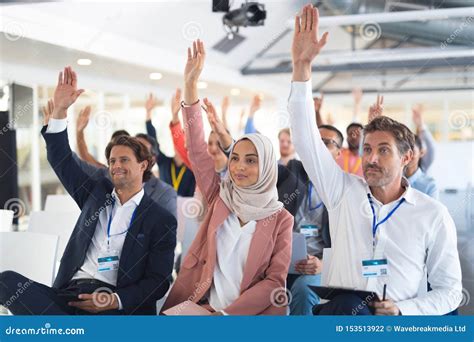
{"x": 202, "y": 164}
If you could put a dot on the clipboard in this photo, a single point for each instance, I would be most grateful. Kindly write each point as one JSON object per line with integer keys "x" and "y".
{"x": 331, "y": 292}
{"x": 298, "y": 251}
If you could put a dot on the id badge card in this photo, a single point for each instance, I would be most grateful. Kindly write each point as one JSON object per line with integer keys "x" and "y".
{"x": 309, "y": 230}
{"x": 374, "y": 268}
{"x": 108, "y": 260}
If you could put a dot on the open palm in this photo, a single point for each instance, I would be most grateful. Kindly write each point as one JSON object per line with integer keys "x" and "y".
{"x": 195, "y": 62}
{"x": 306, "y": 41}
{"x": 66, "y": 92}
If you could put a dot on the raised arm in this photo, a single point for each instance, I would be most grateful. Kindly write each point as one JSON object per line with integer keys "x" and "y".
{"x": 177, "y": 131}
{"x": 150, "y": 104}
{"x": 323, "y": 171}
{"x": 203, "y": 166}
{"x": 425, "y": 136}
{"x": 254, "y": 107}
{"x": 224, "y": 110}
{"x": 376, "y": 109}
{"x": 77, "y": 183}
{"x": 82, "y": 150}
{"x": 318, "y": 103}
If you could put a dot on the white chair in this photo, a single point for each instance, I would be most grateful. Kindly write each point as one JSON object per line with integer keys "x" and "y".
{"x": 56, "y": 223}
{"x": 30, "y": 254}
{"x": 61, "y": 203}
{"x": 191, "y": 227}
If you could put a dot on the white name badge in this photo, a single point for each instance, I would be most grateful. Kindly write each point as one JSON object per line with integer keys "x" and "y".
{"x": 309, "y": 230}
{"x": 108, "y": 261}
{"x": 374, "y": 268}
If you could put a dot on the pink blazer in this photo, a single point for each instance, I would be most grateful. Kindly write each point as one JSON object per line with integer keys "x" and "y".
{"x": 269, "y": 253}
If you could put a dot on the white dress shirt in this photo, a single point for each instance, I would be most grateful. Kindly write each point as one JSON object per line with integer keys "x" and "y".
{"x": 121, "y": 219}
{"x": 419, "y": 237}
{"x": 233, "y": 243}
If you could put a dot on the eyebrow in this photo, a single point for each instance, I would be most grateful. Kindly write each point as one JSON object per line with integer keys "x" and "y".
{"x": 247, "y": 155}
{"x": 381, "y": 144}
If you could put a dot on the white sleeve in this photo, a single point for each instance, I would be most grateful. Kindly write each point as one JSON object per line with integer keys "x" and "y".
{"x": 56, "y": 125}
{"x": 444, "y": 273}
{"x": 119, "y": 301}
{"x": 327, "y": 177}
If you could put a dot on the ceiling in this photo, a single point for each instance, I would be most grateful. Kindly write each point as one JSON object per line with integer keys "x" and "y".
{"x": 128, "y": 40}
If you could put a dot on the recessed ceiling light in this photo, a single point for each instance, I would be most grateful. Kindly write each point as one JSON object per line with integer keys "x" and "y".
{"x": 235, "y": 92}
{"x": 201, "y": 85}
{"x": 155, "y": 76}
{"x": 84, "y": 61}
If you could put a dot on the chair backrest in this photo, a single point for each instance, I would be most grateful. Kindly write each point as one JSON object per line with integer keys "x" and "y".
{"x": 61, "y": 203}
{"x": 31, "y": 254}
{"x": 190, "y": 230}
{"x": 56, "y": 223}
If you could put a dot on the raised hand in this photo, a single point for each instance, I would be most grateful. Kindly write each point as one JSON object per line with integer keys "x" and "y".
{"x": 318, "y": 103}
{"x": 66, "y": 93}
{"x": 306, "y": 43}
{"x": 150, "y": 104}
{"x": 255, "y": 105}
{"x": 176, "y": 104}
{"x": 357, "y": 95}
{"x": 376, "y": 109}
{"x": 192, "y": 71}
{"x": 48, "y": 112}
{"x": 217, "y": 125}
{"x": 224, "y": 108}
{"x": 417, "y": 117}
{"x": 83, "y": 119}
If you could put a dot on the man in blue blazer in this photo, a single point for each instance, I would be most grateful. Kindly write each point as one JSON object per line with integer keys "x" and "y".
{"x": 119, "y": 258}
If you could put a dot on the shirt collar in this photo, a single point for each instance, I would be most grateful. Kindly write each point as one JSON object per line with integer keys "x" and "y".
{"x": 136, "y": 199}
{"x": 408, "y": 194}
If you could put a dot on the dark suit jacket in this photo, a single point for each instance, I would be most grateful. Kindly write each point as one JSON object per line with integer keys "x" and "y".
{"x": 296, "y": 170}
{"x": 146, "y": 262}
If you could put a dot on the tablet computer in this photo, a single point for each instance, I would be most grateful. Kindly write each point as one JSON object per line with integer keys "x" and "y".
{"x": 331, "y": 292}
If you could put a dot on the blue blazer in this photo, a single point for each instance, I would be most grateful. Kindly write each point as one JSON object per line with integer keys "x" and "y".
{"x": 146, "y": 262}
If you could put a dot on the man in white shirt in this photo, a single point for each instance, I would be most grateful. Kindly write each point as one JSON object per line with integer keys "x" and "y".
{"x": 383, "y": 232}
{"x": 120, "y": 255}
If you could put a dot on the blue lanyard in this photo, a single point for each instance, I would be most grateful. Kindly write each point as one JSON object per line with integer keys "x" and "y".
{"x": 375, "y": 225}
{"x": 110, "y": 223}
{"x": 310, "y": 190}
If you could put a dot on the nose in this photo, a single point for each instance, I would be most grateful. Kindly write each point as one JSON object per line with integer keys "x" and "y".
{"x": 373, "y": 158}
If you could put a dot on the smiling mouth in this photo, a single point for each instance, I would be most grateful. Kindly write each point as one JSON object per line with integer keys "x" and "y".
{"x": 240, "y": 176}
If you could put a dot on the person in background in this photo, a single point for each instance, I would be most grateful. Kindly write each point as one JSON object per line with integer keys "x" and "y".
{"x": 287, "y": 149}
{"x": 254, "y": 107}
{"x": 350, "y": 160}
{"x": 240, "y": 257}
{"x": 174, "y": 171}
{"x": 428, "y": 150}
{"x": 160, "y": 192}
{"x": 312, "y": 220}
{"x": 384, "y": 234}
{"x": 418, "y": 179}
{"x": 82, "y": 150}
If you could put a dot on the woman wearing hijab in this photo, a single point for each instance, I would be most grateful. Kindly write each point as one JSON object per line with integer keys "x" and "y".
{"x": 239, "y": 260}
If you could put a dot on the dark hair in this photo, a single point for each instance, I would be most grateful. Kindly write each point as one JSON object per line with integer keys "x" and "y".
{"x": 340, "y": 137}
{"x": 354, "y": 124}
{"x": 152, "y": 141}
{"x": 119, "y": 133}
{"x": 284, "y": 130}
{"x": 404, "y": 138}
{"x": 139, "y": 150}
